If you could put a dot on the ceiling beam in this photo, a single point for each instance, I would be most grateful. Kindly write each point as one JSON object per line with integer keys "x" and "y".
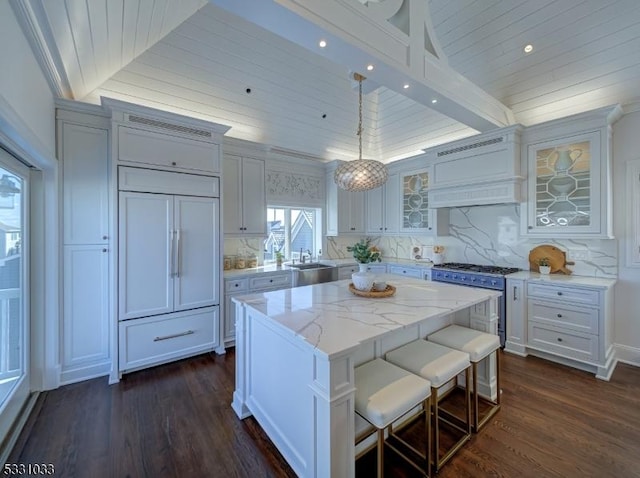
{"x": 396, "y": 36}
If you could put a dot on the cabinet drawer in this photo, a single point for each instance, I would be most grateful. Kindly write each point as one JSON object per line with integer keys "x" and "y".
{"x": 584, "y": 319}
{"x": 140, "y": 146}
{"x": 277, "y": 281}
{"x": 155, "y": 340}
{"x": 236, "y": 285}
{"x": 165, "y": 182}
{"x": 561, "y": 341}
{"x": 573, "y": 294}
{"x": 405, "y": 271}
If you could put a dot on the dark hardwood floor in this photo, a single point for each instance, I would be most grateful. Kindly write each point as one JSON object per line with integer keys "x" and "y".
{"x": 175, "y": 421}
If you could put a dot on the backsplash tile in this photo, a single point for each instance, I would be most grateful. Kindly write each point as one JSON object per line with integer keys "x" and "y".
{"x": 490, "y": 235}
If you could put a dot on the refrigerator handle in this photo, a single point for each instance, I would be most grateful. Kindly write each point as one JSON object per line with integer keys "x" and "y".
{"x": 171, "y": 254}
{"x": 178, "y": 256}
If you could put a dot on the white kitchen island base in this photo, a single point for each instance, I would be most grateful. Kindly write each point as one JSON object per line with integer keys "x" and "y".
{"x": 296, "y": 350}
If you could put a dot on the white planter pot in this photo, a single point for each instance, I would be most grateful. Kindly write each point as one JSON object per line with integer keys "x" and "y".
{"x": 363, "y": 280}
{"x": 545, "y": 270}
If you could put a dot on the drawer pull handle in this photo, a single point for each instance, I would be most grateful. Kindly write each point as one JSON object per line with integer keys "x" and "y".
{"x": 167, "y": 337}
{"x": 559, "y": 293}
{"x": 270, "y": 280}
{"x": 236, "y": 285}
{"x": 559, "y": 316}
{"x": 559, "y": 339}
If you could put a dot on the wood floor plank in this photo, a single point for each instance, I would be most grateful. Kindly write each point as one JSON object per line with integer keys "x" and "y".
{"x": 176, "y": 420}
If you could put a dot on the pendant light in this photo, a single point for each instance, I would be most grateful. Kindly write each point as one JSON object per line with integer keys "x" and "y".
{"x": 361, "y": 174}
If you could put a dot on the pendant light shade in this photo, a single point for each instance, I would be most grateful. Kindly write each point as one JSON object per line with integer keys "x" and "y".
{"x": 361, "y": 174}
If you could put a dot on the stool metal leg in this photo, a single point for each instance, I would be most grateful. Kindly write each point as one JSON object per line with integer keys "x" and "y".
{"x": 435, "y": 428}
{"x": 495, "y": 405}
{"x": 476, "y": 411}
{"x": 498, "y": 376}
{"x": 380, "y": 467}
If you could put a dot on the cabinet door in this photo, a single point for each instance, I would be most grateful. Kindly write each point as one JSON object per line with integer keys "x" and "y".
{"x": 416, "y": 214}
{"x": 376, "y": 211}
{"x": 85, "y": 331}
{"x": 564, "y": 188}
{"x": 232, "y": 194}
{"x": 516, "y": 322}
{"x": 197, "y": 252}
{"x": 254, "y": 210}
{"x": 357, "y": 212}
{"x": 85, "y": 168}
{"x": 145, "y": 259}
{"x": 331, "y": 213}
{"x": 229, "y": 318}
{"x": 391, "y": 206}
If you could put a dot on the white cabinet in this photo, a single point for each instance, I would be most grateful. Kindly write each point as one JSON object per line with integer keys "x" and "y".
{"x": 568, "y": 164}
{"x": 83, "y": 151}
{"x": 244, "y": 195}
{"x": 168, "y": 253}
{"x": 85, "y": 318}
{"x": 571, "y": 323}
{"x": 516, "y": 316}
{"x": 416, "y": 215}
{"x": 383, "y": 207}
{"x": 249, "y": 285}
{"x": 633, "y": 213}
{"x": 405, "y": 271}
{"x": 345, "y": 212}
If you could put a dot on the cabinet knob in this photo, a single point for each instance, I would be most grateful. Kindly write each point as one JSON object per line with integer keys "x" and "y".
{"x": 236, "y": 285}
{"x": 559, "y": 316}
{"x": 173, "y": 163}
{"x": 104, "y": 250}
{"x": 270, "y": 280}
{"x": 381, "y": 229}
{"x": 105, "y": 238}
{"x": 559, "y": 293}
{"x": 559, "y": 339}
{"x": 429, "y": 228}
{"x": 530, "y": 227}
{"x": 385, "y": 228}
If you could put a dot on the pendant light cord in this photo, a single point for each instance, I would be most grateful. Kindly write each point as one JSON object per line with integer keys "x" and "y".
{"x": 359, "y": 133}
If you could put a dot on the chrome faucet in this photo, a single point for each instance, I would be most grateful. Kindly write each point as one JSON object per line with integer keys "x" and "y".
{"x": 310, "y": 255}
{"x": 302, "y": 258}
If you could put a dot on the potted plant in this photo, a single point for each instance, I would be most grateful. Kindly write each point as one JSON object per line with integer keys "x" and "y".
{"x": 364, "y": 253}
{"x": 544, "y": 266}
{"x": 279, "y": 259}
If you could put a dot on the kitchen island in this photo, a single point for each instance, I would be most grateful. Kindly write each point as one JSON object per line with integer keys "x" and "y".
{"x": 296, "y": 350}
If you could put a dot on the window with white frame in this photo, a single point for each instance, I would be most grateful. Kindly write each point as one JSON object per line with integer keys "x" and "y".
{"x": 291, "y": 232}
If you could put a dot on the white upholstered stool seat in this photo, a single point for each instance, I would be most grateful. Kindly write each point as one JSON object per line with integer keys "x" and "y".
{"x": 384, "y": 393}
{"x": 479, "y": 345}
{"x": 440, "y": 365}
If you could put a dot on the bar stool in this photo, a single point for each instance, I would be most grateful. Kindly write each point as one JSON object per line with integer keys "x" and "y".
{"x": 385, "y": 393}
{"x": 479, "y": 345}
{"x": 439, "y": 365}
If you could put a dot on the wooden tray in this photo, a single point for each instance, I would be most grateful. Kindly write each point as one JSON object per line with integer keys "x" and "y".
{"x": 557, "y": 259}
{"x": 374, "y": 294}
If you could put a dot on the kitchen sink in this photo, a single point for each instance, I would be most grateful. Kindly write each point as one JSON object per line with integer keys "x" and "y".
{"x": 314, "y": 273}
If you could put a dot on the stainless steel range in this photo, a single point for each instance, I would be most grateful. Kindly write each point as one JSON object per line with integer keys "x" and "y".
{"x": 485, "y": 277}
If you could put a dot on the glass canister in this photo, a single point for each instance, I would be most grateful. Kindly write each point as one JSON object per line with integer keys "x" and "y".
{"x": 252, "y": 261}
{"x": 241, "y": 262}
{"x": 229, "y": 262}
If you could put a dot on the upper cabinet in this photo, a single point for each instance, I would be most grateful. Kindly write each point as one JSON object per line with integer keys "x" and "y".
{"x": 568, "y": 165}
{"x": 345, "y": 209}
{"x": 416, "y": 214}
{"x": 245, "y": 210}
{"x": 383, "y": 207}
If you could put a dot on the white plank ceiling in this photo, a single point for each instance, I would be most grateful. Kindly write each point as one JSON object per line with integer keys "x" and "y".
{"x": 176, "y": 56}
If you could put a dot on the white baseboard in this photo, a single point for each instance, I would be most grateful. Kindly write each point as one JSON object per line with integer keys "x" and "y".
{"x": 628, "y": 355}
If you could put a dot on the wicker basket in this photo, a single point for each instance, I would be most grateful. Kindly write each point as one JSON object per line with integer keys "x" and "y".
{"x": 374, "y": 294}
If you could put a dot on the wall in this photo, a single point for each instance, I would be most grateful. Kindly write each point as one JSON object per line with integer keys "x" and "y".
{"x": 626, "y": 147}
{"x": 489, "y": 235}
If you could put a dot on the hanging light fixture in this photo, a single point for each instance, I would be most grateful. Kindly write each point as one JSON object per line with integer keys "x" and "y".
{"x": 361, "y": 174}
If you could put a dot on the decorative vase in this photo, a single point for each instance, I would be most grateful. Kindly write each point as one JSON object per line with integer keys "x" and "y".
{"x": 363, "y": 279}
{"x": 545, "y": 269}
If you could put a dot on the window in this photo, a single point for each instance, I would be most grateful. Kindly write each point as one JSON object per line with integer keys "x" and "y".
{"x": 291, "y": 230}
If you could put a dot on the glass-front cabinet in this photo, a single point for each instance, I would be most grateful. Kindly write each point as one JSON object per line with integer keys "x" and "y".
{"x": 417, "y": 217}
{"x": 566, "y": 185}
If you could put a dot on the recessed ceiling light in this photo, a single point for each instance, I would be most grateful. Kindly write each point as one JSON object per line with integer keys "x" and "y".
{"x": 322, "y": 43}
{"x": 405, "y": 86}
{"x": 528, "y": 48}
{"x": 369, "y": 67}
{"x": 434, "y": 101}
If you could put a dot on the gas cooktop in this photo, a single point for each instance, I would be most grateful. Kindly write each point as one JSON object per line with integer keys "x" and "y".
{"x": 459, "y": 266}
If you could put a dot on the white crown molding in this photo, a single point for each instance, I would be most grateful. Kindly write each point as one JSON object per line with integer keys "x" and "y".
{"x": 32, "y": 20}
{"x": 632, "y": 106}
{"x": 21, "y": 141}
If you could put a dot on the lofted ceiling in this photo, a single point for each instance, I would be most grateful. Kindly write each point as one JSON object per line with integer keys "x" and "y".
{"x": 195, "y": 58}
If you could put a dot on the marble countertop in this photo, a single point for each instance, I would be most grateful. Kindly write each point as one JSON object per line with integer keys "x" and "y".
{"x": 333, "y": 320}
{"x": 272, "y": 268}
{"x": 562, "y": 279}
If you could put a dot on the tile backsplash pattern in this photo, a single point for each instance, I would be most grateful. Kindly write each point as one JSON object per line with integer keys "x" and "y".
{"x": 240, "y": 245}
{"x": 490, "y": 235}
